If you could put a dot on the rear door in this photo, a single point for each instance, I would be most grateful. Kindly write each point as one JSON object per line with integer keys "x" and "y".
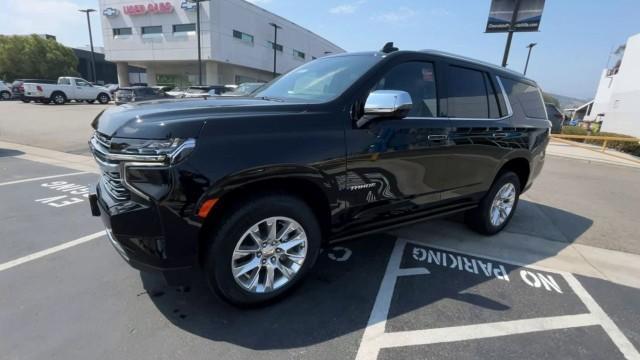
{"x": 480, "y": 130}
{"x": 393, "y": 165}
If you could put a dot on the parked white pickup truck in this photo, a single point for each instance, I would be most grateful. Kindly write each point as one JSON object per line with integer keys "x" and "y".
{"x": 67, "y": 88}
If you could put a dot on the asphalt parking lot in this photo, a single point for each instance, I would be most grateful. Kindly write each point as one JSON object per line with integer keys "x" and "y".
{"x": 562, "y": 282}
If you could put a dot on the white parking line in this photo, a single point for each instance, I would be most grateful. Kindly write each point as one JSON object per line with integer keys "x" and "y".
{"x": 375, "y": 338}
{"x": 42, "y": 178}
{"x": 51, "y": 250}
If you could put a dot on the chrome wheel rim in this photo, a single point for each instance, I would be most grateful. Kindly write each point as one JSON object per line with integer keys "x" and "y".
{"x": 269, "y": 255}
{"x": 6, "y": 96}
{"x": 59, "y": 99}
{"x": 502, "y": 204}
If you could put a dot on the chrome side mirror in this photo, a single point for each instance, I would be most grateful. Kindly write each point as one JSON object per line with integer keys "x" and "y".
{"x": 388, "y": 103}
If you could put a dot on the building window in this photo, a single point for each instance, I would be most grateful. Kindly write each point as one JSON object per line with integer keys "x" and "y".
{"x": 181, "y": 28}
{"x": 243, "y": 36}
{"x": 278, "y": 47}
{"x": 151, "y": 30}
{"x": 121, "y": 31}
{"x": 313, "y": 58}
{"x": 298, "y": 54}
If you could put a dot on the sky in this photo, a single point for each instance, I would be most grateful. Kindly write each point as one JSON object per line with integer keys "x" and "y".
{"x": 574, "y": 41}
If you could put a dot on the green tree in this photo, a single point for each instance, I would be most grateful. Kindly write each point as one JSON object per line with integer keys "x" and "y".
{"x": 32, "y": 56}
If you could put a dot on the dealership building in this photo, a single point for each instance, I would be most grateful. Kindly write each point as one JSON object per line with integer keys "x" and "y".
{"x": 236, "y": 41}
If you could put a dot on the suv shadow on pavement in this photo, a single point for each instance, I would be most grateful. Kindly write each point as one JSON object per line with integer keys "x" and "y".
{"x": 10, "y": 152}
{"x": 334, "y": 304}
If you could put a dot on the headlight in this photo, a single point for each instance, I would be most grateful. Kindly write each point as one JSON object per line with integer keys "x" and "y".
{"x": 174, "y": 149}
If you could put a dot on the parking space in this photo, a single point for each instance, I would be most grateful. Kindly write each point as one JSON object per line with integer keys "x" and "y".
{"x": 43, "y": 210}
{"x": 430, "y": 295}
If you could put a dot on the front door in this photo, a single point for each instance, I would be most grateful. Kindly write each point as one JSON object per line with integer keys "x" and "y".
{"x": 393, "y": 165}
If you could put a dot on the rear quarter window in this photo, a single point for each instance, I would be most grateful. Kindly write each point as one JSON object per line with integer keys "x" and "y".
{"x": 526, "y": 97}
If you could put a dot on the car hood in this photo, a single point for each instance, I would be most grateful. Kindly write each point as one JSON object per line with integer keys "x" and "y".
{"x": 181, "y": 118}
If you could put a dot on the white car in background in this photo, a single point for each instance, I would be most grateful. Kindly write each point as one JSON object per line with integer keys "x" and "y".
{"x": 67, "y": 88}
{"x": 5, "y": 91}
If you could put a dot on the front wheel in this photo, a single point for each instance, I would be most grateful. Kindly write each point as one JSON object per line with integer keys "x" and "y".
{"x": 497, "y": 206}
{"x": 5, "y": 95}
{"x": 262, "y": 249}
{"x": 103, "y": 98}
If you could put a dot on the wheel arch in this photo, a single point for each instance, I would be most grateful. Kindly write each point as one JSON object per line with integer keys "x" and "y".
{"x": 308, "y": 184}
{"x": 521, "y": 166}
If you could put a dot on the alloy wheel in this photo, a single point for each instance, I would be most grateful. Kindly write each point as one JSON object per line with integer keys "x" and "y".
{"x": 502, "y": 204}
{"x": 269, "y": 255}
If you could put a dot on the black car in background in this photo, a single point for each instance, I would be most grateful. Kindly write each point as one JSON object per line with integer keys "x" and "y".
{"x": 248, "y": 189}
{"x": 138, "y": 93}
{"x": 206, "y": 90}
{"x": 17, "y": 87}
{"x": 556, "y": 117}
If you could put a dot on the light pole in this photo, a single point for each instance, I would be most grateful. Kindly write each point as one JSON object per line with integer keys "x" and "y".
{"x": 197, "y": 2}
{"x": 507, "y": 47}
{"x": 275, "y": 45}
{"x": 526, "y": 65}
{"x": 93, "y": 56}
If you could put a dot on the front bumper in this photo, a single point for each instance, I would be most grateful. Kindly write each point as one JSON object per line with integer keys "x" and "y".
{"x": 137, "y": 233}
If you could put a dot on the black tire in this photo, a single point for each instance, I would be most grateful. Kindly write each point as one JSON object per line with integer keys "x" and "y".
{"x": 479, "y": 219}
{"x": 58, "y": 98}
{"x": 5, "y": 95}
{"x": 103, "y": 98}
{"x": 229, "y": 231}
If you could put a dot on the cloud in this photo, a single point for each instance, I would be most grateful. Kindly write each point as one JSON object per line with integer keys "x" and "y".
{"x": 344, "y": 9}
{"x": 56, "y": 17}
{"x": 399, "y": 15}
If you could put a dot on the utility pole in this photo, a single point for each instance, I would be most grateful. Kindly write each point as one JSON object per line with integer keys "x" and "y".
{"x": 198, "y": 35}
{"x": 507, "y": 47}
{"x": 526, "y": 65}
{"x": 275, "y": 46}
{"x": 93, "y": 56}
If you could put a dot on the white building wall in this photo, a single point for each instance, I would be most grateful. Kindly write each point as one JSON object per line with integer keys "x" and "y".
{"x": 170, "y": 53}
{"x": 622, "y": 114}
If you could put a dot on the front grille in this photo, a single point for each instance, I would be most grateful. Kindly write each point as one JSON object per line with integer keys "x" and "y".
{"x": 111, "y": 170}
{"x": 112, "y": 182}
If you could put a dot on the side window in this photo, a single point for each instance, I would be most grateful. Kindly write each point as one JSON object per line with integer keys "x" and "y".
{"x": 418, "y": 79}
{"x": 65, "y": 82}
{"x": 525, "y": 97}
{"x": 81, "y": 83}
{"x": 492, "y": 100}
{"x": 467, "y": 93}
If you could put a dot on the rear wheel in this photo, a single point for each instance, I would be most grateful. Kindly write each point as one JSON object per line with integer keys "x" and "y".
{"x": 497, "y": 206}
{"x": 262, "y": 249}
{"x": 5, "y": 95}
{"x": 103, "y": 98}
{"x": 58, "y": 98}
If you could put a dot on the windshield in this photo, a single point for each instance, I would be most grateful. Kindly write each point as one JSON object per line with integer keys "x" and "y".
{"x": 320, "y": 80}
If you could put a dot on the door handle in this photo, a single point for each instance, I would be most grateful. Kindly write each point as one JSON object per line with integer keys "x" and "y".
{"x": 437, "y": 137}
{"x": 500, "y": 135}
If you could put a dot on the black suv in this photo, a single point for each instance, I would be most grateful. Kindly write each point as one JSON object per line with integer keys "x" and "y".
{"x": 249, "y": 189}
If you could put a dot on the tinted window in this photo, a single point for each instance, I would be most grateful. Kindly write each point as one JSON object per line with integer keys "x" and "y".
{"x": 526, "y": 97}
{"x": 184, "y": 27}
{"x": 467, "y": 93}
{"x": 81, "y": 83}
{"x": 494, "y": 109}
{"x": 121, "y": 31}
{"x": 418, "y": 79}
{"x": 151, "y": 30}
